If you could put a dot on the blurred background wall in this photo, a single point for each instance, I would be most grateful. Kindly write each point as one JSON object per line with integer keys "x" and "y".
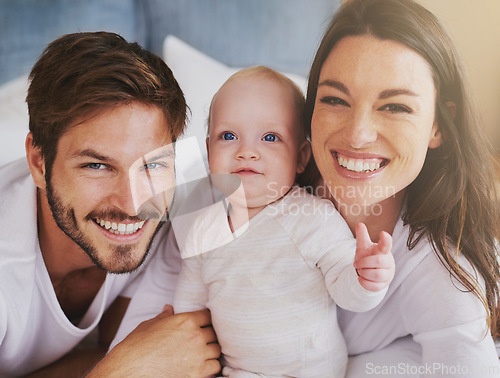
{"x": 475, "y": 28}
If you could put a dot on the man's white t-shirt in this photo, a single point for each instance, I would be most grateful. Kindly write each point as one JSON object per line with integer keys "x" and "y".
{"x": 34, "y": 331}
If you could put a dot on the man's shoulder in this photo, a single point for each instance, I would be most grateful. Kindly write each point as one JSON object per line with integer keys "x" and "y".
{"x": 14, "y": 174}
{"x": 18, "y": 199}
{"x": 18, "y": 239}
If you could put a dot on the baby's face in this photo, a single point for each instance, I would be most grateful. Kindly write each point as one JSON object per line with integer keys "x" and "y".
{"x": 254, "y": 135}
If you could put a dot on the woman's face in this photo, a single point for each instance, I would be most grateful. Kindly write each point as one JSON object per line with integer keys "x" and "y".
{"x": 373, "y": 119}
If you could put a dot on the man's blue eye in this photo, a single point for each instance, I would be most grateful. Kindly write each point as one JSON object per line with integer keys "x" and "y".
{"x": 270, "y": 138}
{"x": 153, "y": 165}
{"x": 96, "y": 166}
{"x": 228, "y": 136}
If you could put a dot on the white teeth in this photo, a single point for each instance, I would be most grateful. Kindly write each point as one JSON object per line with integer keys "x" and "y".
{"x": 120, "y": 228}
{"x": 358, "y": 165}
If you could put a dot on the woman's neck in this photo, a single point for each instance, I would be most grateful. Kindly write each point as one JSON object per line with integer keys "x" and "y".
{"x": 381, "y": 216}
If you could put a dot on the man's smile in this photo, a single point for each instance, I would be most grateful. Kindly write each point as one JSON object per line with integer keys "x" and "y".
{"x": 119, "y": 228}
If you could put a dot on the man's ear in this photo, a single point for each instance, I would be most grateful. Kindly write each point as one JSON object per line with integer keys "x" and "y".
{"x": 303, "y": 156}
{"x": 36, "y": 162}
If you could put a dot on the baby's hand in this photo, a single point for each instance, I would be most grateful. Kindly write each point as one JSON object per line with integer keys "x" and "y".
{"x": 373, "y": 262}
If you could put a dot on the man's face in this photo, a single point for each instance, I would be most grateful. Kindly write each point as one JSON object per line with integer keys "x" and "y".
{"x": 106, "y": 171}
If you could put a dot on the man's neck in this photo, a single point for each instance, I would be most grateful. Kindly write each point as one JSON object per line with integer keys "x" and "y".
{"x": 75, "y": 278}
{"x": 61, "y": 254}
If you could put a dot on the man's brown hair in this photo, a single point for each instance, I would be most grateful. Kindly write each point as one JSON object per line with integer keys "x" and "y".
{"x": 80, "y": 74}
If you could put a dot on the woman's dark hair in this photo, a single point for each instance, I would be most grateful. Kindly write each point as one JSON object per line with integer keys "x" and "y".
{"x": 452, "y": 202}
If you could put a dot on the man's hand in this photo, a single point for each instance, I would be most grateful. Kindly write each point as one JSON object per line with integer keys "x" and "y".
{"x": 374, "y": 262}
{"x": 182, "y": 345}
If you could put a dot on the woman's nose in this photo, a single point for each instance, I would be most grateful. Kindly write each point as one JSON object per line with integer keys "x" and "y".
{"x": 361, "y": 131}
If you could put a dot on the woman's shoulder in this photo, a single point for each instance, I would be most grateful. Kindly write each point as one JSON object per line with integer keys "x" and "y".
{"x": 429, "y": 294}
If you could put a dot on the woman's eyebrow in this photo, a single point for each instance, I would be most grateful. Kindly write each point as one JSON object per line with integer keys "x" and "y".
{"x": 335, "y": 84}
{"x": 395, "y": 92}
{"x": 383, "y": 95}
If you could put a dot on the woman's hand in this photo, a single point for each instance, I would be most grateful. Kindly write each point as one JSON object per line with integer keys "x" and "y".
{"x": 374, "y": 262}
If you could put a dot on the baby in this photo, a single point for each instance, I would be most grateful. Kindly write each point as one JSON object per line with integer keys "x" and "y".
{"x": 279, "y": 258}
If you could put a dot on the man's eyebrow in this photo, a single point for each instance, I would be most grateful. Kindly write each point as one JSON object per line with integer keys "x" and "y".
{"x": 163, "y": 154}
{"x": 335, "y": 84}
{"x": 92, "y": 154}
{"x": 395, "y": 92}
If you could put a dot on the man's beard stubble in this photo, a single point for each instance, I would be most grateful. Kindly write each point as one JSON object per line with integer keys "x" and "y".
{"x": 65, "y": 219}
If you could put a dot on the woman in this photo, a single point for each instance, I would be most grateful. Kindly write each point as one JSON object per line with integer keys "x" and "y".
{"x": 398, "y": 144}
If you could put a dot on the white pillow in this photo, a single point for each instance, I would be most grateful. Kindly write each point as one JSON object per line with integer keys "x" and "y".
{"x": 13, "y": 119}
{"x": 199, "y": 77}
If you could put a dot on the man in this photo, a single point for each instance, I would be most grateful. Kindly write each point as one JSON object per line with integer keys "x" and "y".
{"x": 103, "y": 116}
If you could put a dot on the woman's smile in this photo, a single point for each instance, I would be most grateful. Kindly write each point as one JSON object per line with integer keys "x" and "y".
{"x": 373, "y": 119}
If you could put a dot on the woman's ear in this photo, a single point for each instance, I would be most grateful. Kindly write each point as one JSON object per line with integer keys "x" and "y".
{"x": 303, "y": 156}
{"x": 36, "y": 162}
{"x": 452, "y": 109}
{"x": 436, "y": 138}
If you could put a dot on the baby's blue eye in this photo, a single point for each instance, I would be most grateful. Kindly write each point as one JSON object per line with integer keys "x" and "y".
{"x": 228, "y": 136}
{"x": 270, "y": 138}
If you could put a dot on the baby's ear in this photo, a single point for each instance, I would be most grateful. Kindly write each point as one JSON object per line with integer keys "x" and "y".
{"x": 303, "y": 156}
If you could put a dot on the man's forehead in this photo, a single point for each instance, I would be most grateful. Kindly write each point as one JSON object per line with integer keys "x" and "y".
{"x": 164, "y": 152}
{"x": 123, "y": 133}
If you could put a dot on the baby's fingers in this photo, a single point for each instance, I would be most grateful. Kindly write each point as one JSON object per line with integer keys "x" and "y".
{"x": 384, "y": 244}
{"x": 371, "y": 285}
{"x": 375, "y": 272}
{"x": 381, "y": 261}
{"x": 376, "y": 275}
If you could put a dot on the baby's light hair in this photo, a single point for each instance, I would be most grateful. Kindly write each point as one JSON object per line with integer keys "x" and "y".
{"x": 267, "y": 72}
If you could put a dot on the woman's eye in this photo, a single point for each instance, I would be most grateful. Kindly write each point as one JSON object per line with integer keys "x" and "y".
{"x": 396, "y": 108}
{"x": 270, "y": 138}
{"x": 333, "y": 101}
{"x": 228, "y": 136}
